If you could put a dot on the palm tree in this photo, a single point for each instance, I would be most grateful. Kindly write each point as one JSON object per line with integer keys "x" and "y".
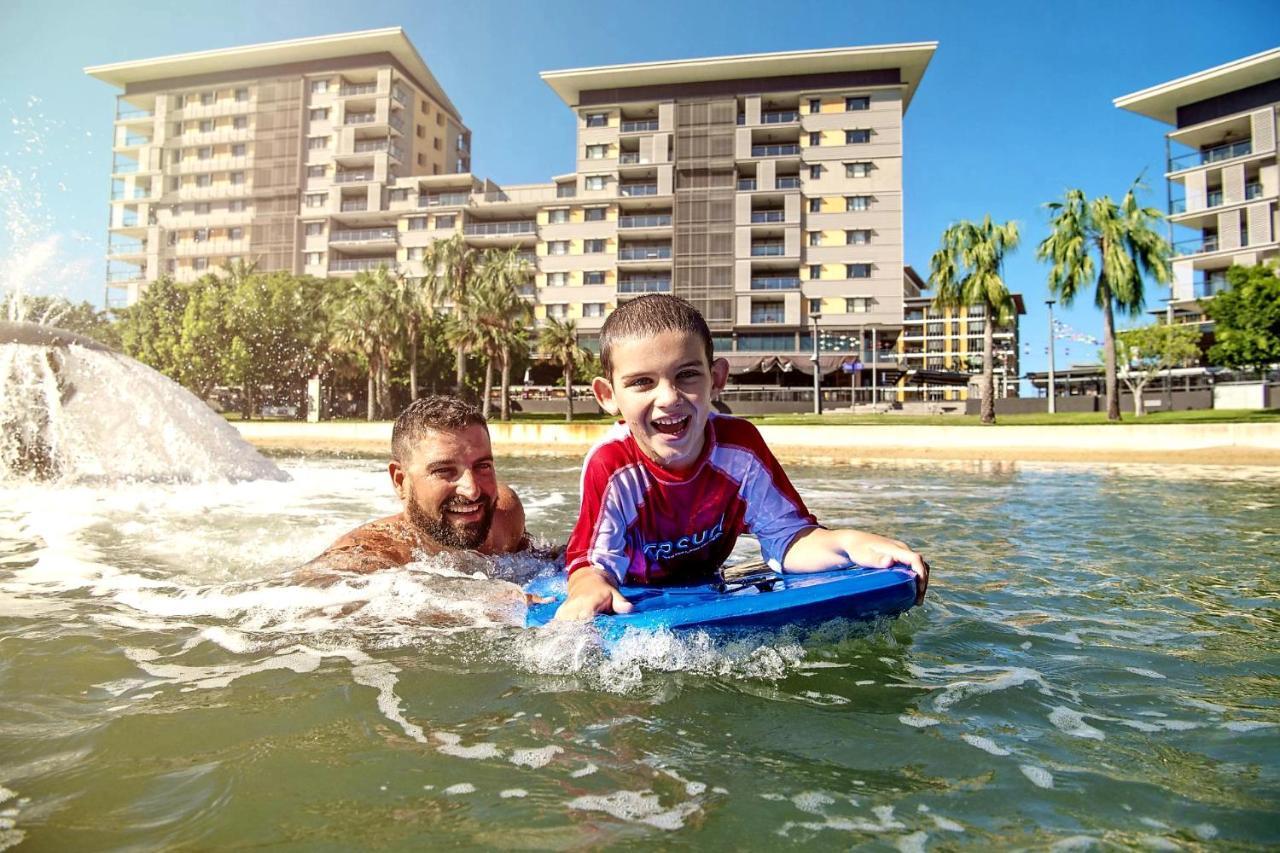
{"x": 1127, "y": 249}
{"x": 505, "y": 315}
{"x": 366, "y": 321}
{"x": 965, "y": 271}
{"x": 559, "y": 341}
{"x": 417, "y": 299}
{"x": 457, "y": 262}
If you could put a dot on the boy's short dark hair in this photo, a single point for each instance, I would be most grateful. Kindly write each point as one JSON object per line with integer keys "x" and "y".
{"x": 439, "y": 412}
{"x": 648, "y": 316}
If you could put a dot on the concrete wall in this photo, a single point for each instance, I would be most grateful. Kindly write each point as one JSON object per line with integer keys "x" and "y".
{"x": 1182, "y": 401}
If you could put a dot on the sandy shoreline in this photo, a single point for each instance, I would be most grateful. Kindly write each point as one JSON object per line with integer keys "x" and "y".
{"x": 1170, "y": 444}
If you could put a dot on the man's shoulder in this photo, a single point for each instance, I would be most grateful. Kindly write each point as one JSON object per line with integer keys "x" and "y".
{"x": 369, "y": 547}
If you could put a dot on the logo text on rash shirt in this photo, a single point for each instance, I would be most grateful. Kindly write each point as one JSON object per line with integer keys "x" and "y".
{"x": 685, "y": 544}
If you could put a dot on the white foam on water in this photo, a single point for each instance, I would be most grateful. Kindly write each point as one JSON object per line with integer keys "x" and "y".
{"x": 585, "y": 770}
{"x": 1072, "y": 723}
{"x": 1074, "y": 842}
{"x": 535, "y": 758}
{"x": 825, "y": 698}
{"x": 946, "y": 824}
{"x": 985, "y": 744}
{"x": 460, "y": 788}
{"x": 918, "y": 721}
{"x": 812, "y": 802}
{"x": 994, "y": 680}
{"x": 1039, "y": 777}
{"x": 636, "y": 807}
{"x": 451, "y": 745}
{"x": 10, "y": 835}
{"x": 1206, "y": 831}
{"x": 1246, "y": 725}
{"x": 513, "y": 794}
{"x": 913, "y": 843}
{"x": 1145, "y": 673}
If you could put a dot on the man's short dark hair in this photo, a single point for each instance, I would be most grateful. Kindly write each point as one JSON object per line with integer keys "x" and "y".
{"x": 648, "y": 316}
{"x": 439, "y": 412}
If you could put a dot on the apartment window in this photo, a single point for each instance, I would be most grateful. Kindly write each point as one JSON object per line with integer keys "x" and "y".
{"x": 420, "y": 132}
{"x": 592, "y": 247}
{"x": 815, "y": 138}
{"x": 597, "y": 152}
{"x": 206, "y": 126}
{"x": 319, "y": 114}
{"x": 439, "y": 119}
{"x": 815, "y": 171}
{"x": 435, "y": 168}
{"x": 857, "y": 170}
{"x": 857, "y": 305}
{"x": 317, "y": 143}
{"x": 200, "y": 235}
{"x": 815, "y": 205}
{"x": 977, "y": 326}
{"x": 597, "y": 119}
{"x": 314, "y": 258}
{"x": 593, "y": 277}
{"x": 557, "y": 279}
{"x": 815, "y": 238}
{"x": 242, "y": 95}
{"x": 767, "y": 312}
{"x": 857, "y": 202}
{"x": 316, "y": 199}
{"x": 177, "y": 129}
{"x": 861, "y": 102}
{"x": 204, "y": 180}
{"x": 593, "y": 309}
{"x": 235, "y": 233}
{"x": 857, "y": 237}
{"x": 815, "y": 272}
{"x": 435, "y": 143}
{"x": 815, "y": 307}
{"x": 815, "y": 106}
{"x": 445, "y": 221}
{"x": 315, "y": 171}
{"x": 422, "y": 159}
{"x": 594, "y": 182}
{"x": 558, "y": 216}
{"x": 319, "y": 86}
{"x": 170, "y": 266}
{"x": 417, "y": 253}
{"x": 175, "y": 184}
{"x": 204, "y": 153}
{"x": 594, "y": 214}
{"x": 236, "y": 206}
{"x": 422, "y": 105}
{"x": 240, "y": 122}
{"x": 206, "y": 98}
{"x": 857, "y": 271}
{"x": 237, "y": 179}
{"x": 238, "y": 150}
{"x": 201, "y": 208}
{"x": 558, "y": 247}
{"x": 977, "y": 311}
{"x": 558, "y": 311}
{"x": 857, "y": 137}
{"x": 200, "y": 264}
{"x": 315, "y": 229}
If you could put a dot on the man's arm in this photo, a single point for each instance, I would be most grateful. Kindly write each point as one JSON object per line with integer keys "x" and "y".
{"x": 506, "y": 532}
{"x": 817, "y": 550}
{"x": 381, "y": 544}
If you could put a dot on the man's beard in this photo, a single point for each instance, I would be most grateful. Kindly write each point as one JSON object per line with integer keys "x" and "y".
{"x": 438, "y": 528}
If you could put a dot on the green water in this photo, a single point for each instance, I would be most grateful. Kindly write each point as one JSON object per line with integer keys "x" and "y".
{"x": 1098, "y": 664}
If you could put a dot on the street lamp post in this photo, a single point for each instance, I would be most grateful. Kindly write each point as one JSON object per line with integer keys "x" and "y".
{"x": 817, "y": 367}
{"x": 1053, "y": 403}
{"x": 1168, "y": 336}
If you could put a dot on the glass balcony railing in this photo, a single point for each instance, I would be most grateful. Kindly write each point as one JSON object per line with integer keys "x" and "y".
{"x": 746, "y": 184}
{"x": 781, "y": 282}
{"x": 397, "y": 123}
{"x": 362, "y": 235}
{"x": 788, "y": 182}
{"x": 124, "y": 167}
{"x": 633, "y": 190}
{"x": 629, "y": 158}
{"x": 653, "y": 220}
{"x": 495, "y": 229}
{"x": 400, "y": 94}
{"x": 358, "y": 89}
{"x": 1211, "y": 155}
{"x": 352, "y": 177}
{"x": 355, "y": 206}
{"x": 763, "y": 216}
{"x": 126, "y": 113}
{"x": 767, "y": 317}
{"x": 767, "y": 250}
{"x": 1196, "y": 245}
{"x": 1252, "y": 191}
{"x": 1213, "y": 198}
{"x": 360, "y": 264}
{"x": 444, "y": 200}
{"x": 1211, "y": 285}
{"x": 640, "y": 126}
{"x": 136, "y": 139}
{"x": 787, "y": 150}
{"x": 126, "y": 247}
{"x": 644, "y": 285}
{"x": 779, "y": 117}
{"x": 359, "y": 118}
{"x": 566, "y": 191}
{"x": 1177, "y": 205}
{"x": 644, "y": 253}
{"x": 124, "y": 275}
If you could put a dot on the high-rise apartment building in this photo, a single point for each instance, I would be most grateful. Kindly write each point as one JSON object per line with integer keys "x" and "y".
{"x": 1222, "y": 171}
{"x": 938, "y": 347}
{"x": 765, "y": 189}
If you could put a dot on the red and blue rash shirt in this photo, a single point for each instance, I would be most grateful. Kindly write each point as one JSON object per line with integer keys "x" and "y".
{"x": 643, "y": 524}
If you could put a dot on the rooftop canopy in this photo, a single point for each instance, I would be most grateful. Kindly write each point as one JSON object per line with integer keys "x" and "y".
{"x": 1161, "y": 102}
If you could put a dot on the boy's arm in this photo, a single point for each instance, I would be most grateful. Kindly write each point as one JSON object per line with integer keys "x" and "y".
{"x": 596, "y": 556}
{"x": 816, "y": 550}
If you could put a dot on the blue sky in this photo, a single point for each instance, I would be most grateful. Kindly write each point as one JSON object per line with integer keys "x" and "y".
{"x": 1014, "y": 109}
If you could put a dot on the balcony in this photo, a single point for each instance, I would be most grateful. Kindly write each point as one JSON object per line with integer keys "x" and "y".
{"x": 355, "y": 205}
{"x": 125, "y": 275}
{"x": 498, "y": 229}
{"x": 634, "y": 190}
{"x": 397, "y": 123}
{"x": 630, "y": 158}
{"x": 641, "y": 126}
{"x": 785, "y": 150}
{"x": 1211, "y": 285}
{"x": 783, "y": 282}
{"x": 746, "y": 184}
{"x": 767, "y": 315}
{"x": 119, "y": 246}
{"x": 644, "y": 253}
{"x": 768, "y": 250}
{"x": 1196, "y": 245}
{"x": 644, "y": 285}
{"x": 124, "y": 167}
{"x": 133, "y": 114}
{"x": 653, "y": 220}
{"x": 779, "y": 117}
{"x": 359, "y": 118}
{"x": 399, "y": 94}
{"x": 353, "y": 177}
{"x": 361, "y": 264}
{"x": 444, "y": 200}
{"x": 1206, "y": 156}
{"x": 759, "y": 217}
{"x": 1252, "y": 191}
{"x": 362, "y": 235}
{"x": 788, "y": 182}
{"x": 358, "y": 89}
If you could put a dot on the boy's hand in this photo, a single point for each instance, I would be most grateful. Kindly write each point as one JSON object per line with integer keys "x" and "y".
{"x": 880, "y": 552}
{"x": 590, "y": 593}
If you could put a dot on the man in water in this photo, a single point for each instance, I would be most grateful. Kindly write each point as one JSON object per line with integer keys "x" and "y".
{"x": 442, "y": 469}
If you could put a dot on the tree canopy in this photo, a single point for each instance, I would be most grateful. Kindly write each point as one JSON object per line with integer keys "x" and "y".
{"x": 1246, "y": 319}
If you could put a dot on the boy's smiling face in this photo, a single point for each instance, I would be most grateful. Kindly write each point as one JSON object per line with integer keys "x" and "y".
{"x": 662, "y": 387}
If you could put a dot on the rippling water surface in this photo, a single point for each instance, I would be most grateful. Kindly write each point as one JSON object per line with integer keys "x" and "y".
{"x": 1097, "y": 664}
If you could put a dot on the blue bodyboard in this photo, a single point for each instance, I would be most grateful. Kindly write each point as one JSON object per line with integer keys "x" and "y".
{"x": 785, "y": 599}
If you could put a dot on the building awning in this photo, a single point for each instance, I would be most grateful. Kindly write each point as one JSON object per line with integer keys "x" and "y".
{"x": 740, "y": 363}
{"x": 936, "y": 377}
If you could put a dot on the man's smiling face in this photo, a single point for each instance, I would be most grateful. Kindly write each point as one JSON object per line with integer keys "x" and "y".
{"x": 662, "y": 387}
{"x": 449, "y": 487}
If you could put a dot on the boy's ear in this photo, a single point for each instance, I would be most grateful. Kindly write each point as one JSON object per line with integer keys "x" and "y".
{"x": 719, "y": 374}
{"x": 603, "y": 389}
